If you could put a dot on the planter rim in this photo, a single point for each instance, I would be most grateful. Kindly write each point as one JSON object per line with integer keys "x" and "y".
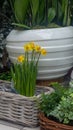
{"x": 18, "y": 96}
{"x": 40, "y": 34}
{"x": 46, "y": 123}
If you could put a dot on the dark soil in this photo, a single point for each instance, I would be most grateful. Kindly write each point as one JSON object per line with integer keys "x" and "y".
{"x": 56, "y": 120}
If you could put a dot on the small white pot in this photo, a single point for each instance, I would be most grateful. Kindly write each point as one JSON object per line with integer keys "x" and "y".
{"x": 57, "y": 41}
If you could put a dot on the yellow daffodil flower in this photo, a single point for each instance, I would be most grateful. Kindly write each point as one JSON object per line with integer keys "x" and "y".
{"x": 32, "y": 45}
{"x": 20, "y": 58}
{"x": 43, "y": 52}
{"x": 27, "y": 47}
{"x": 37, "y": 48}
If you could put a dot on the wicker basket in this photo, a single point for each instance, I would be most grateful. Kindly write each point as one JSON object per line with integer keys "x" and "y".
{"x": 46, "y": 124}
{"x": 20, "y": 109}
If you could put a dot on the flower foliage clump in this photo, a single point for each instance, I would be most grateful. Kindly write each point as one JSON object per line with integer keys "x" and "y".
{"x": 24, "y": 72}
{"x": 58, "y": 106}
{"x": 64, "y": 111}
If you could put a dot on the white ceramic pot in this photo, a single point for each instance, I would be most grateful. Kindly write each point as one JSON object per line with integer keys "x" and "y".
{"x": 57, "y": 41}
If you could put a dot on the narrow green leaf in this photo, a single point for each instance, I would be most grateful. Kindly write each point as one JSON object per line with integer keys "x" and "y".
{"x": 34, "y": 9}
{"x": 54, "y": 4}
{"x": 21, "y": 25}
{"x": 65, "y": 11}
{"x": 51, "y": 14}
{"x": 20, "y": 8}
{"x": 41, "y": 18}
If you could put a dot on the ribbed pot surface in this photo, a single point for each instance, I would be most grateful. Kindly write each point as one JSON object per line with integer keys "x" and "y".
{"x": 59, "y": 45}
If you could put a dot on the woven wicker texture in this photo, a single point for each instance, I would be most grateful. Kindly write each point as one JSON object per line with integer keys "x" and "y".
{"x": 20, "y": 109}
{"x": 46, "y": 124}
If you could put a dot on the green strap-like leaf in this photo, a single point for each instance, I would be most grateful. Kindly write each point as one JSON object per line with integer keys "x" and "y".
{"x": 65, "y": 11}
{"x": 51, "y": 14}
{"x": 21, "y": 25}
{"x": 34, "y": 8}
{"x": 20, "y": 7}
{"x": 41, "y": 18}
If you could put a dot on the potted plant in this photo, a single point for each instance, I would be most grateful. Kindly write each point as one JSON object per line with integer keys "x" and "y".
{"x": 56, "y": 110}
{"x": 58, "y": 41}
{"x": 21, "y": 106}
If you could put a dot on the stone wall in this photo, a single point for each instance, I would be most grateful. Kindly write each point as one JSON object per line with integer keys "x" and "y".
{"x": 5, "y": 28}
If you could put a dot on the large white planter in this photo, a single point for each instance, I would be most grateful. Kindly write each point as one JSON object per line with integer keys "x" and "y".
{"x": 57, "y": 41}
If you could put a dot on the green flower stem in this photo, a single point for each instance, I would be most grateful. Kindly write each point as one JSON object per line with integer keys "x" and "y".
{"x": 38, "y": 58}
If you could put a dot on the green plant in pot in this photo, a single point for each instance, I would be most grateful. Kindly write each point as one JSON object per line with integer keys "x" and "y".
{"x": 33, "y": 14}
{"x": 32, "y": 20}
{"x": 56, "y": 110}
{"x": 64, "y": 110}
